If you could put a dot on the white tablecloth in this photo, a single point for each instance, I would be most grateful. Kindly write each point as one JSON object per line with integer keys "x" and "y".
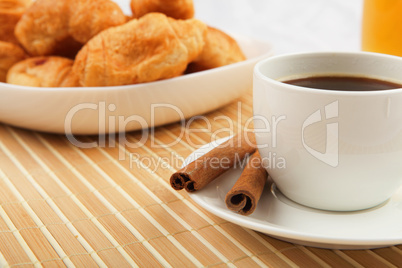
{"x": 290, "y": 25}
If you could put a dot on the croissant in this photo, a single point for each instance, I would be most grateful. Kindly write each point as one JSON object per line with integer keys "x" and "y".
{"x": 61, "y": 27}
{"x": 220, "y": 49}
{"x": 142, "y": 50}
{"x": 89, "y": 17}
{"x": 9, "y": 55}
{"x": 10, "y": 13}
{"x": 178, "y": 9}
{"x": 45, "y": 71}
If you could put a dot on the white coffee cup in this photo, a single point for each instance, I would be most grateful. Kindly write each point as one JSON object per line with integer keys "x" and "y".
{"x": 330, "y": 149}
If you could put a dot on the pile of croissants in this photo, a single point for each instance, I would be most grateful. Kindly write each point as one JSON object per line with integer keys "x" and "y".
{"x": 87, "y": 43}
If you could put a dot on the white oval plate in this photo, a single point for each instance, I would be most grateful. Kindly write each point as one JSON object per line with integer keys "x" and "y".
{"x": 99, "y": 110}
{"x": 282, "y": 218}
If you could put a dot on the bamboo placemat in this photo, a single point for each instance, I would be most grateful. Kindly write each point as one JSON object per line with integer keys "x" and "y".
{"x": 112, "y": 205}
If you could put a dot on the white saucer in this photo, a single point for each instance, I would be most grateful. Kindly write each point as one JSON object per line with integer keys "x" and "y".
{"x": 284, "y": 219}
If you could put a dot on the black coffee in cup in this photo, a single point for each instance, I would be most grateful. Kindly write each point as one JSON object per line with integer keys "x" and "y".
{"x": 343, "y": 83}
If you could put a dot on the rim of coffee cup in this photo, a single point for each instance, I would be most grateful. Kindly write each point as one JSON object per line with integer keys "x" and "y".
{"x": 258, "y": 73}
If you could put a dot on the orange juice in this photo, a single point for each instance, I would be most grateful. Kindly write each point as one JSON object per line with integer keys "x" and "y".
{"x": 382, "y": 26}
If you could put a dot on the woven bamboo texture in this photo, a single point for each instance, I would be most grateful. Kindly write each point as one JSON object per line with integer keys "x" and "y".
{"x": 112, "y": 205}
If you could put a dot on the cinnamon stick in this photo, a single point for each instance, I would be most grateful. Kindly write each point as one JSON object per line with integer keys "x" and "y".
{"x": 245, "y": 194}
{"x": 208, "y": 167}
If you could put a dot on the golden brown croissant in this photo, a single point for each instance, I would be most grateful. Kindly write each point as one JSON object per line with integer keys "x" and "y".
{"x": 190, "y": 35}
{"x": 178, "y": 9}
{"x": 142, "y": 50}
{"x": 220, "y": 49}
{"x": 46, "y": 71}
{"x": 9, "y": 55}
{"x": 61, "y": 27}
{"x": 89, "y": 17}
{"x": 43, "y": 29}
{"x": 10, "y": 13}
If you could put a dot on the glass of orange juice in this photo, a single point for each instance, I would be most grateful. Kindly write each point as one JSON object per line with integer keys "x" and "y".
{"x": 382, "y": 26}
